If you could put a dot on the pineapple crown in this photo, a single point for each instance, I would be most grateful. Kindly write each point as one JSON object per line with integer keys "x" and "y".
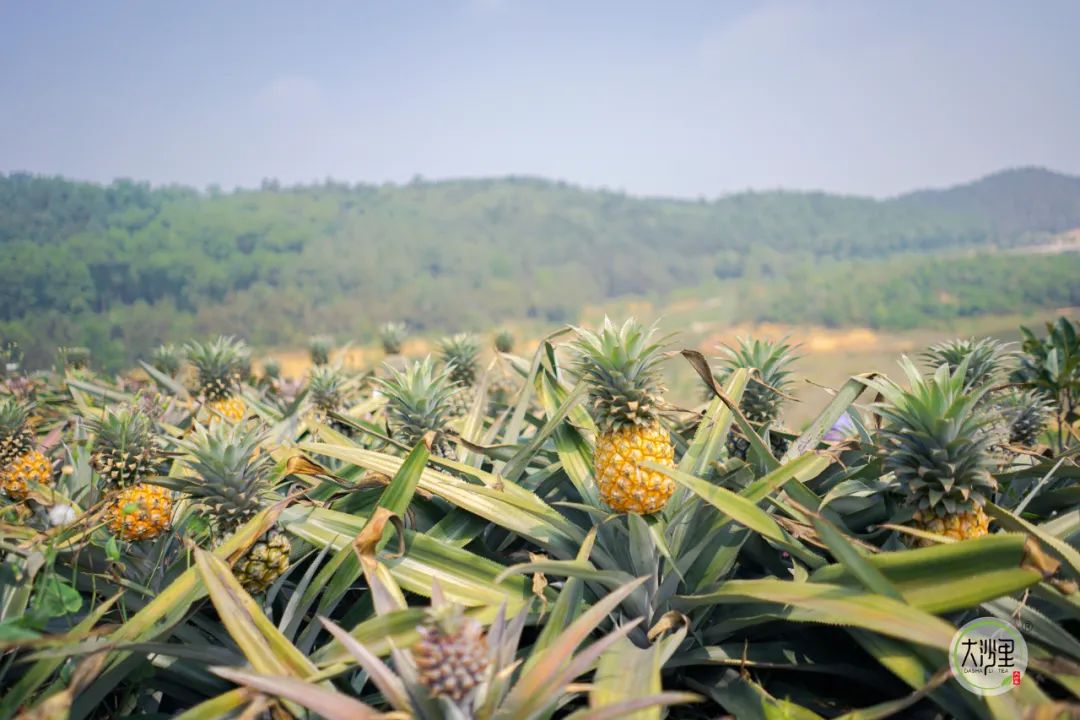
{"x": 231, "y": 472}
{"x": 271, "y": 368}
{"x": 417, "y": 399}
{"x": 16, "y": 437}
{"x": 935, "y": 439}
{"x": 504, "y": 341}
{"x": 125, "y": 446}
{"x": 987, "y": 359}
{"x": 762, "y": 399}
{"x": 326, "y": 388}
{"x": 221, "y": 365}
{"x": 392, "y": 335}
{"x": 621, "y": 366}
{"x": 167, "y": 358}
{"x": 460, "y": 352}
{"x": 319, "y": 348}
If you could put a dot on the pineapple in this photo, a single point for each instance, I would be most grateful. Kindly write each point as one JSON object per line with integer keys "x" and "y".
{"x": 1027, "y": 412}
{"x": 222, "y": 367}
{"x": 762, "y": 400}
{"x": 20, "y": 462}
{"x": 460, "y": 352}
{"x": 452, "y": 655}
{"x": 231, "y": 485}
{"x": 418, "y": 402}
{"x": 167, "y": 359}
{"x": 74, "y": 358}
{"x": 504, "y": 341}
{"x": 392, "y": 335}
{"x": 987, "y": 359}
{"x": 326, "y": 389}
{"x": 319, "y": 348}
{"x": 934, "y": 441}
{"x": 125, "y": 451}
{"x": 621, "y": 369}
{"x": 140, "y": 512}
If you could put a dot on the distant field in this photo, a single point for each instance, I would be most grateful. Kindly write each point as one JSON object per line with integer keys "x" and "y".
{"x": 830, "y": 356}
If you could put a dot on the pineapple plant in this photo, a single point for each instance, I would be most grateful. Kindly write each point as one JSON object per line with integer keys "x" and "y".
{"x": 763, "y": 399}
{"x": 451, "y": 656}
{"x": 231, "y": 485}
{"x": 987, "y": 359}
{"x": 74, "y": 358}
{"x": 325, "y": 389}
{"x": 460, "y": 353}
{"x": 1028, "y": 413}
{"x": 418, "y": 402}
{"x": 319, "y": 348}
{"x": 221, "y": 369}
{"x": 167, "y": 359}
{"x": 935, "y": 444}
{"x": 124, "y": 452}
{"x": 620, "y": 366}
{"x": 392, "y": 335}
{"x": 20, "y": 462}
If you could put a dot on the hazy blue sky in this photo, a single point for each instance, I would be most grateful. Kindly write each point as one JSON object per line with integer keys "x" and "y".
{"x": 677, "y": 98}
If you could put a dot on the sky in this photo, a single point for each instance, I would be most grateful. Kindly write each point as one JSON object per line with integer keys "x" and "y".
{"x": 680, "y": 98}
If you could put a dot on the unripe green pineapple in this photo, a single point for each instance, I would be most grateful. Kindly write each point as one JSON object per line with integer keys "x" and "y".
{"x": 763, "y": 398}
{"x": 461, "y": 353}
{"x": 935, "y": 442}
{"x": 319, "y": 348}
{"x": 621, "y": 368}
{"x": 20, "y": 462}
{"x": 1027, "y": 412}
{"x": 222, "y": 366}
{"x": 232, "y": 485}
{"x": 125, "y": 446}
{"x": 167, "y": 359}
{"x": 504, "y": 341}
{"x": 452, "y": 655}
{"x": 418, "y": 402}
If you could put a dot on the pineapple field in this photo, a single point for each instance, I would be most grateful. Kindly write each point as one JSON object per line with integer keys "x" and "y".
{"x": 466, "y": 529}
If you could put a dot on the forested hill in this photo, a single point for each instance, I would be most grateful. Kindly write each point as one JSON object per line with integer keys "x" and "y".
{"x": 125, "y": 266}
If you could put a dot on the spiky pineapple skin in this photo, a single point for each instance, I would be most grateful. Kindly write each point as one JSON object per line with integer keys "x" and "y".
{"x": 265, "y": 562}
{"x": 29, "y": 467}
{"x": 626, "y": 486}
{"x": 958, "y": 526}
{"x": 233, "y": 409}
{"x": 140, "y": 512}
{"x": 451, "y": 664}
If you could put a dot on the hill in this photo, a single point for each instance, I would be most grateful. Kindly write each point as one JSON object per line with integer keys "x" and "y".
{"x": 125, "y": 266}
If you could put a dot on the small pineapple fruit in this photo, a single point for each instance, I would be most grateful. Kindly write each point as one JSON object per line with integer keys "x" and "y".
{"x": 325, "y": 388}
{"x": 452, "y": 655}
{"x": 231, "y": 484}
{"x": 319, "y": 348}
{"x": 621, "y": 369}
{"x": 124, "y": 452}
{"x": 762, "y": 400}
{"x": 167, "y": 359}
{"x": 987, "y": 360}
{"x": 222, "y": 367}
{"x": 460, "y": 353}
{"x": 1028, "y": 412}
{"x": 934, "y": 441}
{"x": 392, "y": 335}
{"x": 418, "y": 402}
{"x": 140, "y": 512}
{"x": 504, "y": 341}
{"x": 20, "y": 462}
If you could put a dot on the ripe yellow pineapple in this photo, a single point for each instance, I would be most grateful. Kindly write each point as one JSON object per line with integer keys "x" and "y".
{"x": 935, "y": 441}
{"x": 20, "y": 463}
{"x": 621, "y": 368}
{"x": 124, "y": 453}
{"x": 140, "y": 512}
{"x": 220, "y": 366}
